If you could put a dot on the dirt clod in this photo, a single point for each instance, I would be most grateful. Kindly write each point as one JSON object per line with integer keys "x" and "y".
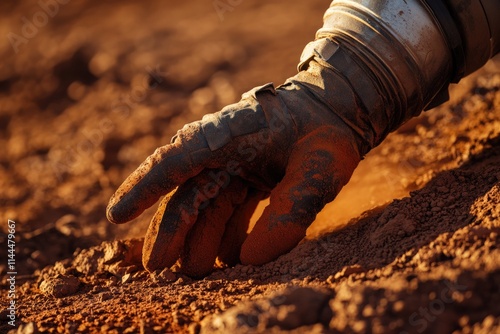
{"x": 163, "y": 276}
{"x": 290, "y": 309}
{"x": 61, "y": 286}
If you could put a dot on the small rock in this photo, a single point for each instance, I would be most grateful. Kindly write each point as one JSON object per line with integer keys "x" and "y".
{"x": 28, "y": 328}
{"x": 464, "y": 321}
{"x": 119, "y": 269}
{"x": 331, "y": 279}
{"x": 105, "y": 328}
{"x": 368, "y": 311}
{"x": 60, "y": 303}
{"x": 112, "y": 251}
{"x": 489, "y": 321}
{"x": 349, "y": 270}
{"x": 104, "y": 296}
{"x": 127, "y": 278}
{"x": 194, "y": 328}
{"x": 61, "y": 286}
{"x": 165, "y": 276}
{"x": 140, "y": 275}
{"x": 286, "y": 310}
{"x": 398, "y": 306}
{"x": 387, "y": 271}
{"x": 96, "y": 289}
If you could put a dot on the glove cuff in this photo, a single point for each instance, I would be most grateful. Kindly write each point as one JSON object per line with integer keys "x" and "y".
{"x": 377, "y": 64}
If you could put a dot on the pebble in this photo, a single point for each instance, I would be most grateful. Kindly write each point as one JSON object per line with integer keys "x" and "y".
{"x": 398, "y": 306}
{"x": 288, "y": 309}
{"x": 349, "y": 270}
{"x": 127, "y": 278}
{"x": 489, "y": 321}
{"x": 166, "y": 275}
{"x": 61, "y": 286}
{"x": 28, "y": 328}
{"x": 104, "y": 296}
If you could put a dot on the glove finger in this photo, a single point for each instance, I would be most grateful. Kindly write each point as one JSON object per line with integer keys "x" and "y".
{"x": 320, "y": 165}
{"x": 159, "y": 174}
{"x": 204, "y": 239}
{"x": 174, "y": 218}
{"x": 237, "y": 227}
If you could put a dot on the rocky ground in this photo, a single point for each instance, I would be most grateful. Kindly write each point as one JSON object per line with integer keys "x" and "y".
{"x": 409, "y": 246}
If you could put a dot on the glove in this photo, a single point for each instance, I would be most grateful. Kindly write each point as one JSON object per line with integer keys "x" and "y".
{"x": 298, "y": 144}
{"x": 215, "y": 171}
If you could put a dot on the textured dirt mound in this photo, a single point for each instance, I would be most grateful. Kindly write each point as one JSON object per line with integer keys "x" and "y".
{"x": 428, "y": 262}
{"x": 102, "y": 84}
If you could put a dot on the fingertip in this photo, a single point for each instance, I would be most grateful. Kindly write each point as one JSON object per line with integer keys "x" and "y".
{"x": 156, "y": 255}
{"x": 125, "y": 206}
{"x": 265, "y": 245}
{"x": 161, "y": 246}
{"x": 111, "y": 214}
{"x": 150, "y": 268}
{"x": 116, "y": 214}
{"x": 149, "y": 264}
{"x": 237, "y": 227}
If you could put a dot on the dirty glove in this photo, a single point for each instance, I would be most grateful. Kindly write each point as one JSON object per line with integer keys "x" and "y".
{"x": 281, "y": 143}
{"x": 298, "y": 143}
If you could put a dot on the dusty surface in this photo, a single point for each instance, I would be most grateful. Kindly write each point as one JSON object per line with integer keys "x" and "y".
{"x": 94, "y": 90}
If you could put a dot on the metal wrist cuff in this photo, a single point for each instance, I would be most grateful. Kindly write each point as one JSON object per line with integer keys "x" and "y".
{"x": 394, "y": 49}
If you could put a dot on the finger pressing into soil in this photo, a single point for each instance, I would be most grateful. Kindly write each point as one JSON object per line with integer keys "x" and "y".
{"x": 174, "y": 218}
{"x": 318, "y": 168}
{"x": 237, "y": 227}
{"x": 168, "y": 167}
{"x": 204, "y": 239}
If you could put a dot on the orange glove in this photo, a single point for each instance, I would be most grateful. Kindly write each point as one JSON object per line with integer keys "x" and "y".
{"x": 216, "y": 171}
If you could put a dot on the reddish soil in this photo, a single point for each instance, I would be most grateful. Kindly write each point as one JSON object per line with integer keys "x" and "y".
{"x": 409, "y": 246}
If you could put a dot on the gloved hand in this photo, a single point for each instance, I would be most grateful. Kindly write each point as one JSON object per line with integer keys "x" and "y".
{"x": 280, "y": 143}
{"x": 298, "y": 144}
